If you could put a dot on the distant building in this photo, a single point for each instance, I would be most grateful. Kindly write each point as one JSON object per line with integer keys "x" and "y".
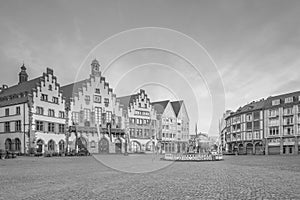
{"x": 33, "y": 114}
{"x": 173, "y": 126}
{"x": 270, "y": 126}
{"x": 223, "y": 131}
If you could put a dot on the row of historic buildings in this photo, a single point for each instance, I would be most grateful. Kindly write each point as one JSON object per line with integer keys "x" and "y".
{"x": 43, "y": 115}
{"x": 268, "y": 126}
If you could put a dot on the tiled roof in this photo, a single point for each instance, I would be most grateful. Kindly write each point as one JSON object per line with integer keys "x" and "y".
{"x": 68, "y": 90}
{"x": 126, "y": 100}
{"x": 160, "y": 106}
{"x": 282, "y": 97}
{"x": 19, "y": 88}
{"x": 176, "y": 106}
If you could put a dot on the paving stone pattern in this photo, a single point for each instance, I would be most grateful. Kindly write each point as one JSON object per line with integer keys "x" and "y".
{"x": 237, "y": 177}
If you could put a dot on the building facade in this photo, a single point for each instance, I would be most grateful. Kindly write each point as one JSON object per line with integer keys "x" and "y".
{"x": 244, "y": 129}
{"x": 269, "y": 126}
{"x": 282, "y": 124}
{"x": 223, "y": 131}
{"x": 33, "y": 114}
{"x": 94, "y": 115}
{"x": 173, "y": 126}
{"x": 140, "y": 122}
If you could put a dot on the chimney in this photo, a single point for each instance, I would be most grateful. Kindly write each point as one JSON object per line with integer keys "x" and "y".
{"x": 23, "y": 76}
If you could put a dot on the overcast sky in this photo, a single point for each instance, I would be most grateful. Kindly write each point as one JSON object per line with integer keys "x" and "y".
{"x": 254, "y": 44}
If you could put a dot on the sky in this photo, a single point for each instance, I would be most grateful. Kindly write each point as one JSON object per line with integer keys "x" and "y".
{"x": 253, "y": 45}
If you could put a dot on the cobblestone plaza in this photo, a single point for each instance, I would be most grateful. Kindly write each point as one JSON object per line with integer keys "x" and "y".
{"x": 237, "y": 177}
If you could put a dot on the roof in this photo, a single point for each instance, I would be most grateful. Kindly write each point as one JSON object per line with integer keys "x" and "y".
{"x": 68, "y": 90}
{"x": 20, "y": 88}
{"x": 160, "y": 106}
{"x": 126, "y": 100}
{"x": 282, "y": 97}
{"x": 176, "y": 106}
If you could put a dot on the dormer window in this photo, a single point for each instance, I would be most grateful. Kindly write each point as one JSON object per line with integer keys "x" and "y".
{"x": 288, "y": 100}
{"x": 97, "y": 90}
{"x": 275, "y": 102}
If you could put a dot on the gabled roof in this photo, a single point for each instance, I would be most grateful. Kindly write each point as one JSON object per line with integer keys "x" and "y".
{"x": 160, "y": 106}
{"x": 26, "y": 86}
{"x": 126, "y": 100}
{"x": 68, "y": 90}
{"x": 176, "y": 105}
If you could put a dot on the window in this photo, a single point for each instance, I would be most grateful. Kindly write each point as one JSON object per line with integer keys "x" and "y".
{"x": 249, "y": 117}
{"x": 51, "y": 145}
{"x": 256, "y": 115}
{"x": 50, "y": 87}
{"x": 288, "y": 130}
{"x": 51, "y": 113}
{"x": 61, "y": 128}
{"x": 98, "y": 112}
{"x": 44, "y": 97}
{"x": 273, "y": 131}
{"x": 17, "y": 144}
{"x": 97, "y": 98}
{"x": 106, "y": 102}
{"x": 39, "y": 126}
{"x": 288, "y": 100}
{"x": 108, "y": 116}
{"x": 256, "y": 125}
{"x": 7, "y": 127}
{"x": 93, "y": 144}
{"x": 273, "y": 113}
{"x": 288, "y": 120}
{"x": 61, "y": 114}
{"x": 7, "y": 112}
{"x": 18, "y": 110}
{"x": 39, "y": 110}
{"x": 288, "y": 111}
{"x": 18, "y": 125}
{"x": 87, "y": 113}
{"x": 75, "y": 117}
{"x": 50, "y": 127}
{"x": 55, "y": 100}
{"x": 275, "y": 102}
{"x": 97, "y": 91}
{"x": 249, "y": 125}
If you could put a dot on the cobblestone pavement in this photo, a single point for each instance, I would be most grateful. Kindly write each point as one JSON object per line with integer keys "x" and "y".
{"x": 237, "y": 177}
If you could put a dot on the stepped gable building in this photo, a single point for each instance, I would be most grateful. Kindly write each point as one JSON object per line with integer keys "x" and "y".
{"x": 141, "y": 121}
{"x": 172, "y": 125}
{"x": 244, "y": 129}
{"x": 32, "y": 114}
{"x": 282, "y": 124}
{"x": 94, "y": 115}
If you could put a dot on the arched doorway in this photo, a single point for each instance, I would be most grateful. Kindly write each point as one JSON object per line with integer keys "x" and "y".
{"x": 258, "y": 148}
{"x": 51, "y": 145}
{"x": 8, "y": 145}
{"x": 82, "y": 144}
{"x": 240, "y": 149}
{"x": 61, "y": 146}
{"x": 249, "y": 149}
{"x": 40, "y": 144}
{"x": 103, "y": 145}
{"x": 17, "y": 144}
{"x": 150, "y": 146}
{"x": 136, "y": 146}
{"x": 118, "y": 146}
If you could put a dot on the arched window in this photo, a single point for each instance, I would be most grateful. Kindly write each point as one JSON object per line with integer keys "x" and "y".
{"x": 17, "y": 144}
{"x": 61, "y": 145}
{"x": 8, "y": 144}
{"x": 51, "y": 145}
